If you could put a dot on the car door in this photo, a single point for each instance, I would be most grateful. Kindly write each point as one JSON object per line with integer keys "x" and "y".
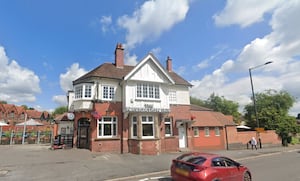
{"x": 233, "y": 169}
{"x": 220, "y": 169}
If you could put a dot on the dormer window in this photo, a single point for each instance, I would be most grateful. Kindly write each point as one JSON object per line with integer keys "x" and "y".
{"x": 147, "y": 91}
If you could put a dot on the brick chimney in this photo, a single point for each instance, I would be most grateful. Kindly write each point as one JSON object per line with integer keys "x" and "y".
{"x": 169, "y": 64}
{"x": 119, "y": 56}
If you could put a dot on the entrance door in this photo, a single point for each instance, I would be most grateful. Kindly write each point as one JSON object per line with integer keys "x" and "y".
{"x": 83, "y": 134}
{"x": 182, "y": 136}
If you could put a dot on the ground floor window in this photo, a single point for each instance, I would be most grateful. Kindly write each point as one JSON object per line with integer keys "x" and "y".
{"x": 147, "y": 127}
{"x": 134, "y": 127}
{"x": 168, "y": 127}
{"x": 206, "y": 131}
{"x": 196, "y": 131}
{"x": 217, "y": 131}
{"x": 107, "y": 127}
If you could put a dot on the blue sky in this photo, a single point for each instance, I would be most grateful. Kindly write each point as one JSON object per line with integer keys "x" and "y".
{"x": 45, "y": 45}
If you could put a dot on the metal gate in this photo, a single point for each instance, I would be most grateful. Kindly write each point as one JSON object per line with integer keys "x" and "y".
{"x": 83, "y": 134}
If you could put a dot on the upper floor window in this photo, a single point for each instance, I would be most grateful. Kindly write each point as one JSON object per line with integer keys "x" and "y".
{"x": 83, "y": 91}
{"x": 108, "y": 92}
{"x": 172, "y": 96}
{"x": 147, "y": 91}
{"x": 88, "y": 91}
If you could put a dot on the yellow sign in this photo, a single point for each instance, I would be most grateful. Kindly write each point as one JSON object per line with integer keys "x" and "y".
{"x": 260, "y": 130}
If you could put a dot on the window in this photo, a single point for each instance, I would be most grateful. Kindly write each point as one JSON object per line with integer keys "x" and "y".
{"x": 107, "y": 127}
{"x": 12, "y": 115}
{"x": 78, "y": 92}
{"x": 168, "y": 127}
{"x": 206, "y": 131}
{"x": 172, "y": 96}
{"x": 134, "y": 127}
{"x": 108, "y": 92}
{"x": 88, "y": 91}
{"x": 83, "y": 91}
{"x": 147, "y": 91}
{"x": 217, "y": 131}
{"x": 196, "y": 131}
{"x": 147, "y": 127}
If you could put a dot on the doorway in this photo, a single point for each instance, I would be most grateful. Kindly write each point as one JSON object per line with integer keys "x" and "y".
{"x": 83, "y": 134}
{"x": 182, "y": 136}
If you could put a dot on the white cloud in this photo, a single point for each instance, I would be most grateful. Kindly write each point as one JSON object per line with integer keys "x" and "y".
{"x": 244, "y": 12}
{"x": 73, "y": 73}
{"x": 66, "y": 82}
{"x": 152, "y": 19}
{"x": 60, "y": 100}
{"x": 17, "y": 84}
{"x": 105, "y": 23}
{"x": 282, "y": 46}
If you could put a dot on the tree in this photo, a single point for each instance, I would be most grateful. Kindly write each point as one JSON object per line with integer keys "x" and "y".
{"x": 272, "y": 112}
{"x": 196, "y": 101}
{"x": 223, "y": 105}
{"x": 60, "y": 110}
{"x": 219, "y": 104}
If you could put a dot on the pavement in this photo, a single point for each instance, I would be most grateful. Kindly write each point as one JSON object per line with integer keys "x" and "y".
{"x": 38, "y": 162}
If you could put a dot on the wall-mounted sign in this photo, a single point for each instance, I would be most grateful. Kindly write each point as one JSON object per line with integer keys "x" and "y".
{"x": 70, "y": 116}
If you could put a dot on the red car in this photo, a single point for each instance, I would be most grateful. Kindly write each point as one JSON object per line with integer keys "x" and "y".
{"x": 208, "y": 167}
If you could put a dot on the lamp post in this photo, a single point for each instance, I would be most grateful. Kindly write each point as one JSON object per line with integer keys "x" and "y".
{"x": 253, "y": 95}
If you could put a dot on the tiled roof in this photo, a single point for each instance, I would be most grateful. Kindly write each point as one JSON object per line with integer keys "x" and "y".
{"x": 106, "y": 70}
{"x": 210, "y": 118}
{"x": 199, "y": 108}
{"x": 109, "y": 70}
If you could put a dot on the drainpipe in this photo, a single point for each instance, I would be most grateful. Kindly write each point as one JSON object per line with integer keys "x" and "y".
{"x": 226, "y": 137}
{"x": 122, "y": 128}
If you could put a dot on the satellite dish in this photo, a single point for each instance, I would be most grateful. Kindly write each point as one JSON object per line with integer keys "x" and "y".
{"x": 70, "y": 116}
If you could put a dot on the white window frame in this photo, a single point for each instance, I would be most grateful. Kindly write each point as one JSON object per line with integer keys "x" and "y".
{"x": 206, "y": 131}
{"x": 147, "y": 91}
{"x": 84, "y": 91}
{"x": 172, "y": 96}
{"x": 168, "y": 122}
{"x": 147, "y": 121}
{"x": 196, "y": 131}
{"x": 111, "y": 92}
{"x": 113, "y": 122}
{"x": 217, "y": 131}
{"x": 134, "y": 124}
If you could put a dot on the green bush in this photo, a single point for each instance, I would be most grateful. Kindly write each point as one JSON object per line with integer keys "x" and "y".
{"x": 295, "y": 140}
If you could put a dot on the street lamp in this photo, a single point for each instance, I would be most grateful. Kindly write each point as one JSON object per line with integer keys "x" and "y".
{"x": 253, "y": 95}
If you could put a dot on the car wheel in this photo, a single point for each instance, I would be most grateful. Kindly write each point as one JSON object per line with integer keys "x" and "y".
{"x": 215, "y": 179}
{"x": 247, "y": 176}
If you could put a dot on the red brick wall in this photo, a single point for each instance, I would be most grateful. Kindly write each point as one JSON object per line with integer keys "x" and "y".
{"x": 169, "y": 144}
{"x": 108, "y": 145}
{"x": 149, "y": 147}
{"x": 208, "y": 142}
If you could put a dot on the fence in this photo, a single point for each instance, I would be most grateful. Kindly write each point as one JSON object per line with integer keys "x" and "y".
{"x": 34, "y": 137}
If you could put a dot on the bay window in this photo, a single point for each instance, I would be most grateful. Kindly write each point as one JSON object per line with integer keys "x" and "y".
{"x": 147, "y": 127}
{"x": 83, "y": 91}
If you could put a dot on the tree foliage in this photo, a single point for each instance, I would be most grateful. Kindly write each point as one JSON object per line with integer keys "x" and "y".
{"x": 272, "y": 112}
{"x": 60, "y": 110}
{"x": 220, "y": 104}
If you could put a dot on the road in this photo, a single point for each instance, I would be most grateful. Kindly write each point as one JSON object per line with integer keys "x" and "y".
{"x": 270, "y": 167}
